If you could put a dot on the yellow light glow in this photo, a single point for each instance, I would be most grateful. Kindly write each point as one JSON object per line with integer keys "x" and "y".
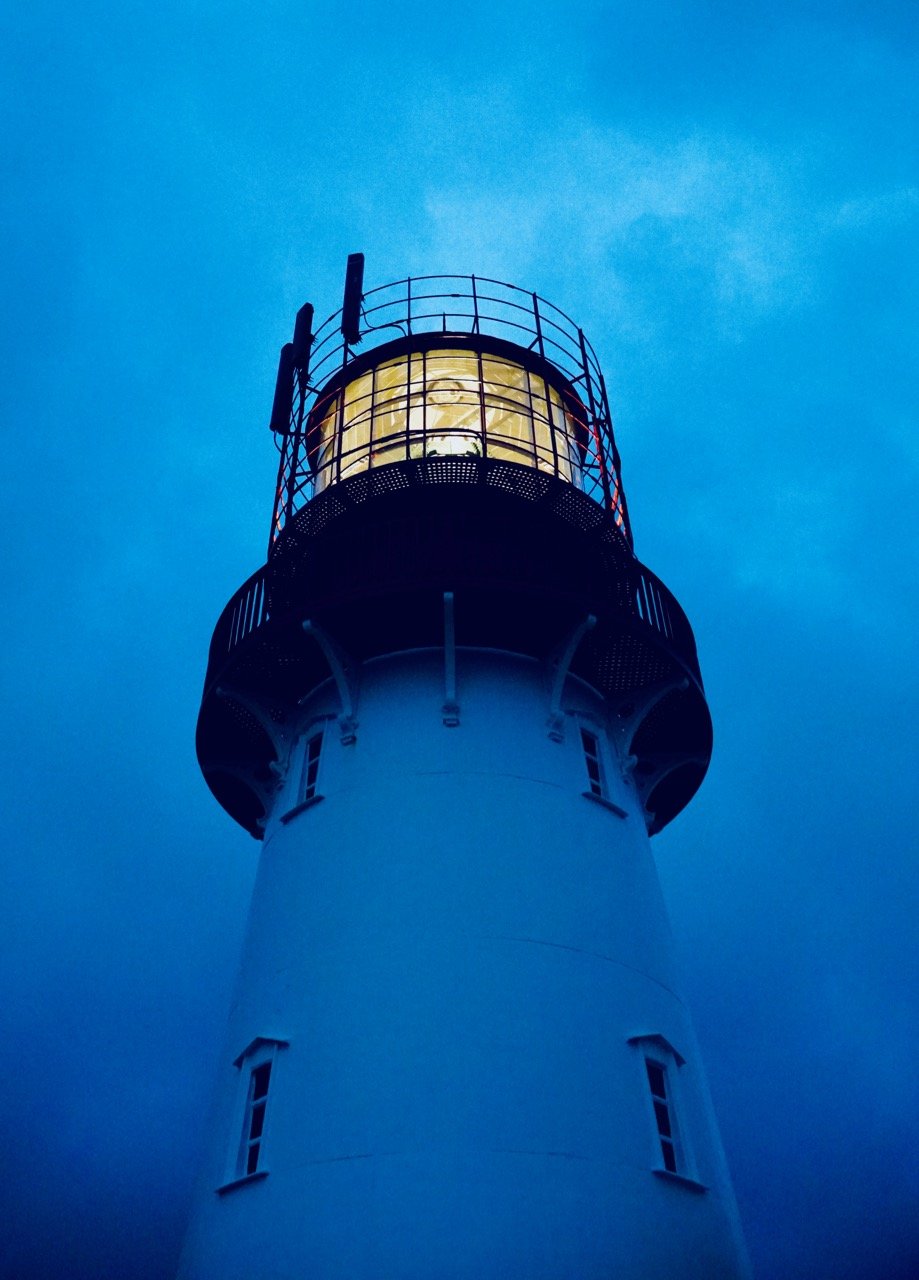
{"x": 445, "y": 403}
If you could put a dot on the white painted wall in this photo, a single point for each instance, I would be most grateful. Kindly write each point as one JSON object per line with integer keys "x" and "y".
{"x": 458, "y": 946}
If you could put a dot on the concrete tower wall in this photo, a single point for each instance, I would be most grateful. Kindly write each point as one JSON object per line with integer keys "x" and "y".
{"x": 458, "y": 964}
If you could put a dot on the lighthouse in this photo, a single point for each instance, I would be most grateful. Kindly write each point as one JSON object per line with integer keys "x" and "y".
{"x": 453, "y": 707}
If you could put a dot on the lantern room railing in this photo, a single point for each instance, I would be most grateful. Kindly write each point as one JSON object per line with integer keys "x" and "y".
{"x": 645, "y": 600}
{"x": 344, "y": 411}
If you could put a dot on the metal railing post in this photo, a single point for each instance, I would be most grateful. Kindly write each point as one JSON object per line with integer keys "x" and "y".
{"x": 594, "y": 426}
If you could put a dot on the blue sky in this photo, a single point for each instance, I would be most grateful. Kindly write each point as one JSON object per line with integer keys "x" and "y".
{"x": 728, "y": 203}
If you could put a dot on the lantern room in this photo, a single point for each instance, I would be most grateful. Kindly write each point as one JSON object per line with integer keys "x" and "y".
{"x": 454, "y": 366}
{"x": 446, "y": 402}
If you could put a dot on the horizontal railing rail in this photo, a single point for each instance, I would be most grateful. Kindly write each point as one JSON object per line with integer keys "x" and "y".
{"x": 460, "y": 305}
{"x": 641, "y": 595}
{"x": 648, "y": 601}
{"x": 426, "y": 304}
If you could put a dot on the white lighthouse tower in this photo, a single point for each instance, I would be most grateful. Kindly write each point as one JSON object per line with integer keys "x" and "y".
{"x": 454, "y": 706}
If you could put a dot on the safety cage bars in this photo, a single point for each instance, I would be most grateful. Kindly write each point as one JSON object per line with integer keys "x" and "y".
{"x": 328, "y": 424}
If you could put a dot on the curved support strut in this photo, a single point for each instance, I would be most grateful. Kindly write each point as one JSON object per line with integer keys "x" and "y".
{"x": 343, "y": 668}
{"x": 562, "y": 660}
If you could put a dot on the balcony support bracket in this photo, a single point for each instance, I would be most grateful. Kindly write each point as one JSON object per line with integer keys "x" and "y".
{"x": 344, "y": 674}
{"x": 559, "y": 665}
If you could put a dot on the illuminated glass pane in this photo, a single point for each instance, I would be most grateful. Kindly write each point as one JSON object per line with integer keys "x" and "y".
{"x": 507, "y": 382}
{"x": 395, "y": 383}
{"x": 445, "y": 403}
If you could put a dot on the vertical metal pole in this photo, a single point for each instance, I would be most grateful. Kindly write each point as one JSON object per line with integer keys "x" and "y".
{"x": 482, "y": 419}
{"x": 408, "y": 406}
{"x": 373, "y": 416}
{"x": 296, "y": 447}
{"x": 542, "y": 352}
{"x": 475, "y": 307}
{"x": 620, "y": 501}
{"x": 278, "y": 498}
{"x": 339, "y": 431}
{"x": 592, "y": 409}
{"x": 408, "y": 316}
{"x": 532, "y": 407}
{"x": 551, "y": 424}
{"x": 536, "y": 317}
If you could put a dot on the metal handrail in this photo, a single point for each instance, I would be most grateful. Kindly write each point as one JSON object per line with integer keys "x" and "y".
{"x": 644, "y": 599}
{"x": 452, "y": 304}
{"x": 395, "y": 306}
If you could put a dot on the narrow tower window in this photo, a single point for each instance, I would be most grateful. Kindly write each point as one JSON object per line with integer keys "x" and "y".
{"x": 247, "y": 1154}
{"x": 595, "y": 779}
{"x": 663, "y": 1114}
{"x": 660, "y": 1063}
{"x": 254, "y": 1127}
{"x": 311, "y": 767}
{"x": 308, "y": 793}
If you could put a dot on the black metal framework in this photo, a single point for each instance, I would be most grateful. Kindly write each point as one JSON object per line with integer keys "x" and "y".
{"x": 466, "y": 449}
{"x": 415, "y": 317}
{"x": 528, "y": 557}
{"x": 641, "y": 595}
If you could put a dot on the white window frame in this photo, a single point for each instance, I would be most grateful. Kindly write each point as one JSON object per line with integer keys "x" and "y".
{"x": 594, "y": 749}
{"x": 665, "y": 1110}
{"x": 593, "y": 761}
{"x": 261, "y": 1053}
{"x": 308, "y": 792}
{"x": 251, "y": 1157}
{"x": 309, "y": 788}
{"x": 660, "y": 1086}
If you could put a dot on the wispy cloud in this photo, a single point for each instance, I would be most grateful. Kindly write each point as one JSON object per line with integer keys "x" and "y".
{"x": 722, "y": 214}
{"x": 873, "y": 210}
{"x": 735, "y": 222}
